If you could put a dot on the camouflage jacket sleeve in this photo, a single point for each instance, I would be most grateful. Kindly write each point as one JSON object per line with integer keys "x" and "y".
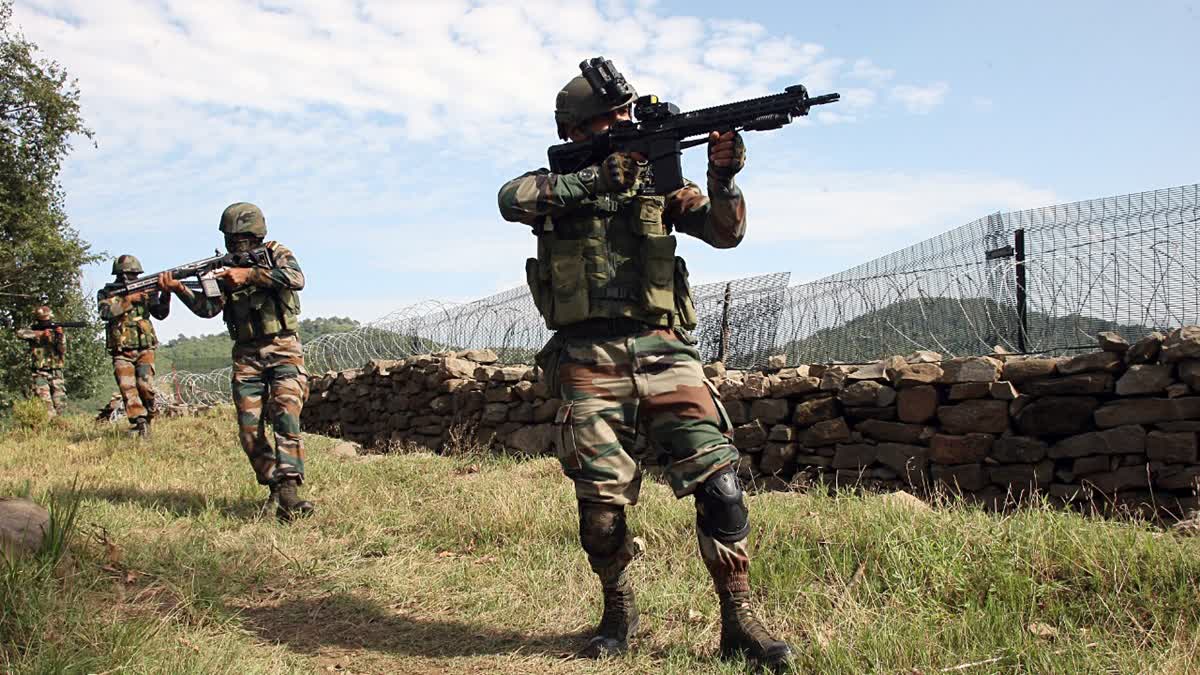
{"x": 159, "y": 305}
{"x": 533, "y": 196}
{"x": 29, "y": 335}
{"x": 60, "y": 341}
{"x": 111, "y": 308}
{"x": 285, "y": 274}
{"x": 202, "y": 305}
{"x": 718, "y": 219}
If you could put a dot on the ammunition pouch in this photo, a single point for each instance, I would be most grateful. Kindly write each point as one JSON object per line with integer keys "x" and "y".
{"x": 131, "y": 330}
{"x": 685, "y": 308}
{"x": 658, "y": 273}
{"x": 253, "y": 312}
{"x": 610, "y": 260}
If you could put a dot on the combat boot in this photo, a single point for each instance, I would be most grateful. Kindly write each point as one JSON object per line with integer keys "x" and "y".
{"x": 618, "y": 623}
{"x": 742, "y": 632}
{"x": 140, "y": 428}
{"x": 290, "y": 506}
{"x": 272, "y": 503}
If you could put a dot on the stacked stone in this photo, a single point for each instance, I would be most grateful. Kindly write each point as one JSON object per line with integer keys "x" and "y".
{"x": 1117, "y": 426}
{"x": 1114, "y": 427}
{"x": 433, "y": 401}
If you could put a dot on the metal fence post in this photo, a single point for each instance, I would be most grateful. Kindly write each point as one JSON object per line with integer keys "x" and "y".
{"x": 723, "y": 350}
{"x": 1022, "y": 295}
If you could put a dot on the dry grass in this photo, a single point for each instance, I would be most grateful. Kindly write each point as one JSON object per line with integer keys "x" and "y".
{"x": 419, "y": 564}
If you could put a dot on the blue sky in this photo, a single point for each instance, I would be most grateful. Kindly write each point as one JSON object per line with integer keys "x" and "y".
{"x": 374, "y": 135}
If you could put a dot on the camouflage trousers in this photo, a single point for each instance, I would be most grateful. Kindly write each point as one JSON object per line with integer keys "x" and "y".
{"x": 49, "y": 385}
{"x": 631, "y": 398}
{"x": 134, "y": 372}
{"x": 270, "y": 372}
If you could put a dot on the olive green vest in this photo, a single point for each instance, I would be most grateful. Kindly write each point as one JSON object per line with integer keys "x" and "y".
{"x": 131, "y": 330}
{"x": 611, "y": 257}
{"x": 253, "y": 312}
{"x": 45, "y": 357}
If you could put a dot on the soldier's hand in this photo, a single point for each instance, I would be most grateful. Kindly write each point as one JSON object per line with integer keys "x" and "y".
{"x": 726, "y": 154}
{"x": 619, "y": 172}
{"x": 135, "y": 298}
{"x": 234, "y": 277}
{"x": 168, "y": 282}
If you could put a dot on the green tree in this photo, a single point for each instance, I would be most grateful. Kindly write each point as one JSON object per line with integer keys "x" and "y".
{"x": 41, "y": 255}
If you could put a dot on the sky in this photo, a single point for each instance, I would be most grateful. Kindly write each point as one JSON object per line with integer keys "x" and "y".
{"x": 375, "y": 135}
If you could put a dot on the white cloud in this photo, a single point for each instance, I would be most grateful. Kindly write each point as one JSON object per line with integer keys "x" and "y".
{"x": 857, "y": 98}
{"x": 921, "y": 100}
{"x": 366, "y": 121}
{"x": 865, "y": 69}
{"x": 859, "y": 206}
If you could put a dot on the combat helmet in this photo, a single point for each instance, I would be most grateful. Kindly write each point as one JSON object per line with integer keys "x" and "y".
{"x": 43, "y": 314}
{"x": 579, "y": 102}
{"x": 243, "y": 218}
{"x": 127, "y": 263}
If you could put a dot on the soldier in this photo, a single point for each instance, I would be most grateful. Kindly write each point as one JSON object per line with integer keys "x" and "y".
{"x": 261, "y": 309}
{"x": 130, "y": 339}
{"x": 48, "y": 354}
{"x": 607, "y": 280}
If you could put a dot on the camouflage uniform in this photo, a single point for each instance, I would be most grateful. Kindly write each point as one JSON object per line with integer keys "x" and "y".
{"x": 47, "y": 355}
{"x": 268, "y": 365}
{"x": 130, "y": 339}
{"x": 263, "y": 316}
{"x": 607, "y": 279}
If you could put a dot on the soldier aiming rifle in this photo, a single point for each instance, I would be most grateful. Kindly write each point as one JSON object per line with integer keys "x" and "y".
{"x": 47, "y": 357}
{"x": 607, "y": 280}
{"x": 256, "y": 289}
{"x": 130, "y": 339}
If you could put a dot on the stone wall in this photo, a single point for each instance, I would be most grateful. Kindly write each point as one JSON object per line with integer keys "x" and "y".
{"x": 1114, "y": 427}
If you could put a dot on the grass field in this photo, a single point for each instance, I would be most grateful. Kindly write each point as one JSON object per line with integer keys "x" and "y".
{"x": 417, "y": 563}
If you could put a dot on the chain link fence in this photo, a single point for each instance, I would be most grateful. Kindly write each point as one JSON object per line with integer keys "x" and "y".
{"x": 1042, "y": 280}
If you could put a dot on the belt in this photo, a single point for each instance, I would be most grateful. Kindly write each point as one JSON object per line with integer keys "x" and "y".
{"x": 606, "y": 328}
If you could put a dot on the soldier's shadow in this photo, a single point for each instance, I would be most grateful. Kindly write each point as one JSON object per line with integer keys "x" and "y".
{"x": 176, "y": 502}
{"x": 341, "y": 620}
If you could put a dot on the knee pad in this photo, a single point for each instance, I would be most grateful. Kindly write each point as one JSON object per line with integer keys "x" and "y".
{"x": 721, "y": 511}
{"x": 601, "y": 529}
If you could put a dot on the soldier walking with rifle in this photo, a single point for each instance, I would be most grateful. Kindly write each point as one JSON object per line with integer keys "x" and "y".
{"x": 47, "y": 357}
{"x": 607, "y": 280}
{"x": 131, "y": 341}
{"x": 256, "y": 289}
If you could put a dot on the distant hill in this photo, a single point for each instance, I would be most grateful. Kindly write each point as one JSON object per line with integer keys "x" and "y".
{"x": 956, "y": 326}
{"x": 209, "y": 352}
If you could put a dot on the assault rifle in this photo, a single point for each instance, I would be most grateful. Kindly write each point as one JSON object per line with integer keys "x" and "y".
{"x": 7, "y": 322}
{"x": 659, "y": 131}
{"x": 204, "y": 271}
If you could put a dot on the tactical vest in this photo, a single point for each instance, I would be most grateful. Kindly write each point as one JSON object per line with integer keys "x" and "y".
{"x": 611, "y": 257}
{"x": 131, "y": 330}
{"x": 44, "y": 356}
{"x": 253, "y": 312}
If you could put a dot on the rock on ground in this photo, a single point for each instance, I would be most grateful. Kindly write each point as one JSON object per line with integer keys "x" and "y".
{"x": 23, "y": 526}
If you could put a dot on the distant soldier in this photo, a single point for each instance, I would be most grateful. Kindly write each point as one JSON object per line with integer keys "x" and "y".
{"x": 130, "y": 339}
{"x": 48, "y": 356}
{"x": 261, "y": 309}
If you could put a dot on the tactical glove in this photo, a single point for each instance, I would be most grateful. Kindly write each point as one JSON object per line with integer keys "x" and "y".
{"x": 619, "y": 172}
{"x": 726, "y": 154}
